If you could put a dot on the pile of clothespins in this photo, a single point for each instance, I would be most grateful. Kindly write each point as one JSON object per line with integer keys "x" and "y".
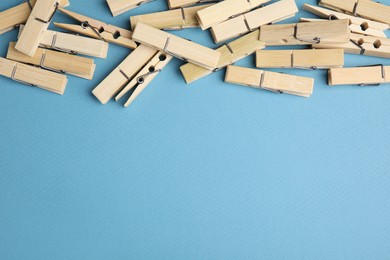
{"x": 41, "y": 57}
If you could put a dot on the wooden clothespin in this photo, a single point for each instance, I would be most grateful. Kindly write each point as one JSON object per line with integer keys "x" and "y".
{"x": 335, "y": 31}
{"x": 172, "y": 4}
{"x": 360, "y": 44}
{"x": 272, "y": 81}
{"x": 118, "y": 7}
{"x": 176, "y": 46}
{"x": 37, "y": 23}
{"x": 97, "y": 29}
{"x": 300, "y": 59}
{"x": 145, "y": 76}
{"x": 73, "y": 44}
{"x": 363, "y": 76}
{"x": 55, "y": 61}
{"x": 364, "y": 8}
{"x": 250, "y": 21}
{"x": 124, "y": 73}
{"x": 174, "y": 19}
{"x": 357, "y": 24}
{"x": 230, "y": 53}
{"x": 33, "y": 76}
{"x": 15, "y": 16}
{"x": 225, "y": 10}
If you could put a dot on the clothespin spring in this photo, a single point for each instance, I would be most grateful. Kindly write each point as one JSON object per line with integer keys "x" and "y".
{"x": 18, "y": 80}
{"x": 268, "y": 89}
{"x": 170, "y": 53}
{"x": 300, "y": 67}
{"x": 42, "y": 62}
{"x": 86, "y": 25}
{"x": 54, "y": 47}
{"x": 56, "y": 5}
{"x": 383, "y": 71}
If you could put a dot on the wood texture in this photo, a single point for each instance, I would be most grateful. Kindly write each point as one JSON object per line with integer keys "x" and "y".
{"x": 44, "y": 79}
{"x": 252, "y": 20}
{"x": 364, "y": 8}
{"x": 357, "y": 24}
{"x": 118, "y": 7}
{"x": 176, "y": 46}
{"x": 305, "y": 59}
{"x": 359, "y": 75}
{"x": 172, "y": 4}
{"x": 230, "y": 53}
{"x": 175, "y": 19}
{"x": 97, "y": 29}
{"x": 225, "y": 10}
{"x": 36, "y": 25}
{"x": 54, "y": 60}
{"x": 122, "y": 74}
{"x": 336, "y": 31}
{"x": 272, "y": 81}
{"x": 17, "y": 15}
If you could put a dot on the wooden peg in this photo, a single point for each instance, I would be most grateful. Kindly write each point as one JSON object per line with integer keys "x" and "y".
{"x": 335, "y": 31}
{"x": 55, "y": 61}
{"x": 172, "y": 4}
{"x": 272, "y": 81}
{"x": 363, "y": 8}
{"x": 300, "y": 59}
{"x": 33, "y": 76}
{"x": 363, "y": 76}
{"x": 176, "y": 46}
{"x": 97, "y": 29}
{"x": 357, "y": 24}
{"x": 174, "y": 19}
{"x": 17, "y": 15}
{"x": 36, "y": 25}
{"x": 230, "y": 53}
{"x": 360, "y": 44}
{"x": 73, "y": 44}
{"x": 122, "y": 74}
{"x": 245, "y": 23}
{"x": 118, "y": 7}
{"x": 145, "y": 76}
{"x": 225, "y": 10}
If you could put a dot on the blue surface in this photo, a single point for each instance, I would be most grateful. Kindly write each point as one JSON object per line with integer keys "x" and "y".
{"x": 205, "y": 171}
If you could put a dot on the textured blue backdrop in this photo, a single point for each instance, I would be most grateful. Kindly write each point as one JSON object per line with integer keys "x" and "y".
{"x": 205, "y": 171}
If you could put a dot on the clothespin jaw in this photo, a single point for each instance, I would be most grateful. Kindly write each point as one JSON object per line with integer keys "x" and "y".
{"x": 373, "y": 75}
{"x": 145, "y": 77}
{"x": 307, "y": 33}
{"x": 32, "y": 76}
{"x": 252, "y": 20}
{"x": 97, "y": 29}
{"x": 311, "y": 59}
{"x": 176, "y": 46}
{"x": 357, "y": 24}
{"x": 118, "y": 7}
{"x": 271, "y": 81}
{"x": 37, "y": 24}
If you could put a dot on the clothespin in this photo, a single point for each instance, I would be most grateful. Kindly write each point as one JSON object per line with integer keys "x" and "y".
{"x": 122, "y": 74}
{"x": 175, "y": 19}
{"x": 145, "y": 76}
{"x": 55, "y": 61}
{"x": 176, "y": 46}
{"x": 251, "y": 21}
{"x": 225, "y": 10}
{"x": 364, "y": 8}
{"x": 272, "y": 81}
{"x": 37, "y": 23}
{"x": 335, "y": 31}
{"x": 363, "y": 76}
{"x": 300, "y": 59}
{"x": 33, "y": 76}
{"x": 230, "y": 53}
{"x": 172, "y": 4}
{"x": 17, "y": 15}
{"x": 73, "y": 44}
{"x": 357, "y": 24}
{"x": 97, "y": 29}
{"x": 362, "y": 45}
{"x": 118, "y": 7}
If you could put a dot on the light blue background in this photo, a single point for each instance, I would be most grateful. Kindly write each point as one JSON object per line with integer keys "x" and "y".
{"x": 202, "y": 171}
